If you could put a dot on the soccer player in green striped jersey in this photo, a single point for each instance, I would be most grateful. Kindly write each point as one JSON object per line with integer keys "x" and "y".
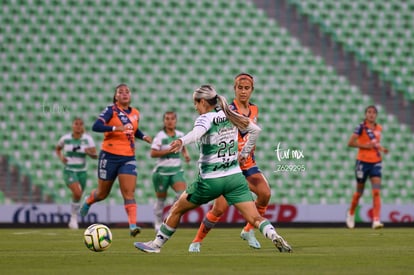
{"x": 72, "y": 149}
{"x": 215, "y": 132}
{"x": 168, "y": 171}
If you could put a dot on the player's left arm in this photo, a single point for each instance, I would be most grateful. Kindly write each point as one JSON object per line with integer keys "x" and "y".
{"x": 382, "y": 148}
{"x": 139, "y": 134}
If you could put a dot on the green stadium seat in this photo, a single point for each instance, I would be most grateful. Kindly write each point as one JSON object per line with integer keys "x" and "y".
{"x": 375, "y": 32}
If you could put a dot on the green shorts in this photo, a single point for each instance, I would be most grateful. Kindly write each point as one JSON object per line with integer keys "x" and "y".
{"x": 163, "y": 182}
{"x": 234, "y": 188}
{"x": 72, "y": 176}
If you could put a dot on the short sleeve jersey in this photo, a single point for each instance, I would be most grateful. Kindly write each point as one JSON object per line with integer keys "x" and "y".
{"x": 169, "y": 164}
{"x": 74, "y": 150}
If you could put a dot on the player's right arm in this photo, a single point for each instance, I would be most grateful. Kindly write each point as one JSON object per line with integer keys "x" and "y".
{"x": 156, "y": 151}
{"x": 353, "y": 140}
{"x": 62, "y": 158}
{"x": 101, "y": 126}
{"x": 59, "y": 153}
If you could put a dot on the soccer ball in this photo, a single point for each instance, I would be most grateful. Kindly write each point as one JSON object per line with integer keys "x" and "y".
{"x": 97, "y": 237}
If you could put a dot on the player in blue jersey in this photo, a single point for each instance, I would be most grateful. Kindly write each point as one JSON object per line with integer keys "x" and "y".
{"x": 119, "y": 123}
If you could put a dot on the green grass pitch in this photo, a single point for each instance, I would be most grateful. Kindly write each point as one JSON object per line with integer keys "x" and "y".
{"x": 316, "y": 251}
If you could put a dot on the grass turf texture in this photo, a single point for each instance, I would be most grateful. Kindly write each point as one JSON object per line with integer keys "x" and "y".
{"x": 316, "y": 251}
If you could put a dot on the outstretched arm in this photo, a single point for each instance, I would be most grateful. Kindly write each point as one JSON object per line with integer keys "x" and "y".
{"x": 192, "y": 136}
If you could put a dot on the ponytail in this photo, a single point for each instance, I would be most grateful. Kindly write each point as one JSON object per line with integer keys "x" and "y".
{"x": 209, "y": 94}
{"x": 238, "y": 120}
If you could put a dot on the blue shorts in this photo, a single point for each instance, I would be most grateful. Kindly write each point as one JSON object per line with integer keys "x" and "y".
{"x": 110, "y": 165}
{"x": 251, "y": 171}
{"x": 363, "y": 170}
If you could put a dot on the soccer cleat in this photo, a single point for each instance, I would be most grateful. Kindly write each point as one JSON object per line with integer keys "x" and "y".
{"x": 281, "y": 244}
{"x": 194, "y": 247}
{"x": 147, "y": 247}
{"x": 377, "y": 225}
{"x": 84, "y": 209}
{"x": 135, "y": 231}
{"x": 350, "y": 220}
{"x": 73, "y": 223}
{"x": 250, "y": 238}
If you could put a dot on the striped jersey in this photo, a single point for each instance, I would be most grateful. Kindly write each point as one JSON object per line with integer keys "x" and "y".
{"x": 74, "y": 151}
{"x": 218, "y": 146}
{"x": 169, "y": 164}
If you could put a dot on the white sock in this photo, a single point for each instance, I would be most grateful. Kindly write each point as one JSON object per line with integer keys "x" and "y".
{"x": 75, "y": 206}
{"x": 267, "y": 229}
{"x": 163, "y": 235}
{"x": 159, "y": 210}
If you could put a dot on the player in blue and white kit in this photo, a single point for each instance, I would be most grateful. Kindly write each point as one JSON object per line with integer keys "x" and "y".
{"x": 215, "y": 132}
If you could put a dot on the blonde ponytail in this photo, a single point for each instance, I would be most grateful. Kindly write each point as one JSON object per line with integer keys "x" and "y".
{"x": 238, "y": 120}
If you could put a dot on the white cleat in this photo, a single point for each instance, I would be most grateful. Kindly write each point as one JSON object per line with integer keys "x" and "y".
{"x": 147, "y": 247}
{"x": 250, "y": 238}
{"x": 377, "y": 225}
{"x": 350, "y": 220}
{"x": 281, "y": 244}
{"x": 194, "y": 247}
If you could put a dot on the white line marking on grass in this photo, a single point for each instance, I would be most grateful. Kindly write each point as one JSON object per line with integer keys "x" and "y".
{"x": 25, "y": 232}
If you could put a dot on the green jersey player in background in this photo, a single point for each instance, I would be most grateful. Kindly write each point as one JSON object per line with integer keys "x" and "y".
{"x": 168, "y": 171}
{"x": 72, "y": 149}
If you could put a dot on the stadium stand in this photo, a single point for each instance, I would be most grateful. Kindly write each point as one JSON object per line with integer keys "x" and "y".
{"x": 63, "y": 59}
{"x": 379, "y": 33}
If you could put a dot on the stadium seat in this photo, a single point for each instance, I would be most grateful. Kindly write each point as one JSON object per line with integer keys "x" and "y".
{"x": 378, "y": 33}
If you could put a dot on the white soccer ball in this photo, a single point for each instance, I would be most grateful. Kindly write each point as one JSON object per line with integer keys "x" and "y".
{"x": 97, "y": 237}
